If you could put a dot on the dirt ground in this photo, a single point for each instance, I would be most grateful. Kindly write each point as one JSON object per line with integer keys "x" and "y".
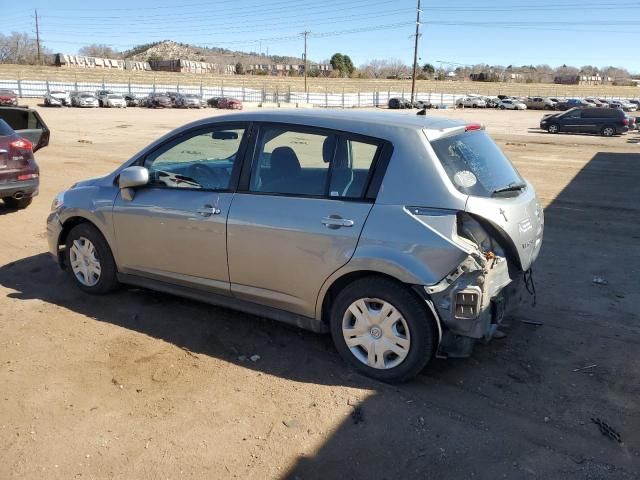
{"x": 142, "y": 385}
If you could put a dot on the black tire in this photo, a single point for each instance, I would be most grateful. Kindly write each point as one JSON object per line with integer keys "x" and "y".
{"x": 14, "y": 204}
{"x": 420, "y": 322}
{"x": 502, "y": 107}
{"x": 108, "y": 280}
{"x": 608, "y": 131}
{"x": 553, "y": 128}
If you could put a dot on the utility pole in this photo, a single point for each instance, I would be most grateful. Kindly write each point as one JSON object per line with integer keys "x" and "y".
{"x": 38, "y": 37}
{"x": 415, "y": 53}
{"x": 305, "y": 34}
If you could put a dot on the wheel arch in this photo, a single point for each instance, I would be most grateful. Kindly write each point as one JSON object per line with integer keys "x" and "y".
{"x": 337, "y": 283}
{"x": 67, "y": 225}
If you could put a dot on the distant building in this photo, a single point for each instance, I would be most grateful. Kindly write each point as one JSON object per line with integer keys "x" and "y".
{"x": 190, "y": 66}
{"x": 285, "y": 69}
{"x": 80, "y": 61}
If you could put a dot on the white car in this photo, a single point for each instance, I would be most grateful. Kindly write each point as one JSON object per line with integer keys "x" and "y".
{"x": 57, "y": 98}
{"x": 473, "y": 102}
{"x": 84, "y": 99}
{"x": 509, "y": 104}
{"x": 114, "y": 100}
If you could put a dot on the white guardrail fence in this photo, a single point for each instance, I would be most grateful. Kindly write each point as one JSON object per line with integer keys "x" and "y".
{"x": 38, "y": 88}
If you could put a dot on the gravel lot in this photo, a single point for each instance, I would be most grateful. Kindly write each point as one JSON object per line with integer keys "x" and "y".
{"x": 141, "y": 385}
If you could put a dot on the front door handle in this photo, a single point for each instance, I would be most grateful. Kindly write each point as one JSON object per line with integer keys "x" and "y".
{"x": 335, "y": 221}
{"x": 208, "y": 210}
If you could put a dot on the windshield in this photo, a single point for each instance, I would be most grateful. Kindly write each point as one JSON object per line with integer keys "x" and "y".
{"x": 115, "y": 97}
{"x": 475, "y": 164}
{"x": 86, "y": 95}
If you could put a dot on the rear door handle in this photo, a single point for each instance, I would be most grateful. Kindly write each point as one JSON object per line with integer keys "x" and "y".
{"x": 334, "y": 221}
{"x": 208, "y": 210}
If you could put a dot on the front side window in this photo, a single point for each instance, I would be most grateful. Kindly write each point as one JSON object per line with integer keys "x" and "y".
{"x": 310, "y": 163}
{"x": 475, "y": 164}
{"x": 201, "y": 160}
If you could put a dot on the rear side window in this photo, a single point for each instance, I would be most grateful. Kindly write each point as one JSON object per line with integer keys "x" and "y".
{"x": 315, "y": 163}
{"x": 475, "y": 164}
{"x": 5, "y": 129}
{"x": 20, "y": 119}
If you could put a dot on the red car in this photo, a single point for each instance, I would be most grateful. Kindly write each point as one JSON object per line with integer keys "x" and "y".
{"x": 8, "y": 97}
{"x": 19, "y": 173}
{"x": 230, "y": 103}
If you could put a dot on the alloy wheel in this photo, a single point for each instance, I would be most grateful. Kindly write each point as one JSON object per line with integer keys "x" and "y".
{"x": 376, "y": 333}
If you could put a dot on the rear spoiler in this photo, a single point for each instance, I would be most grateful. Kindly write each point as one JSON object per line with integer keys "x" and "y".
{"x": 436, "y": 134}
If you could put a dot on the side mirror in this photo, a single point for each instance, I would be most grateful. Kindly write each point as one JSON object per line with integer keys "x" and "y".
{"x": 130, "y": 178}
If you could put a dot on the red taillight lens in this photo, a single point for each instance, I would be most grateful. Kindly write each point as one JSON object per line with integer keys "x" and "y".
{"x": 27, "y": 176}
{"x": 625, "y": 121}
{"x": 473, "y": 126}
{"x": 22, "y": 143}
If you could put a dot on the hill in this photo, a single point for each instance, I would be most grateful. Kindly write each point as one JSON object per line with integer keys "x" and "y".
{"x": 170, "y": 50}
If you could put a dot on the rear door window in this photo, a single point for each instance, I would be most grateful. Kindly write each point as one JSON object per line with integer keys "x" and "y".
{"x": 475, "y": 164}
{"x": 312, "y": 162}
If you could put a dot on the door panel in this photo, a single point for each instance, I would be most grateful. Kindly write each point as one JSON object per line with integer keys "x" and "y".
{"x": 174, "y": 235}
{"x": 281, "y": 252}
{"x": 174, "y": 228}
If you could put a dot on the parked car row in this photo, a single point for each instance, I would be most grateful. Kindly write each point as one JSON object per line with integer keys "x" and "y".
{"x": 505, "y": 102}
{"x": 110, "y": 99}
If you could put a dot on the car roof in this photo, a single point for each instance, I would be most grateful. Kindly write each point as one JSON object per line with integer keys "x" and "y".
{"x": 341, "y": 119}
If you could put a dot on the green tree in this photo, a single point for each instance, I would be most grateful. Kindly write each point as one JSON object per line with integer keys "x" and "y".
{"x": 428, "y": 69}
{"x": 342, "y": 64}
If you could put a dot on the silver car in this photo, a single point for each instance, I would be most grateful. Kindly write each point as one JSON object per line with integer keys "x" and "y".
{"x": 189, "y": 100}
{"x": 406, "y": 237}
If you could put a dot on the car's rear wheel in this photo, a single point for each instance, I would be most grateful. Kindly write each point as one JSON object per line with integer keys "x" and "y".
{"x": 383, "y": 329}
{"x": 553, "y": 128}
{"x": 608, "y": 131}
{"x": 16, "y": 204}
{"x": 89, "y": 260}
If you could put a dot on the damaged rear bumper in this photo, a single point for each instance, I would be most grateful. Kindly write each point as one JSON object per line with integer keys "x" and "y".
{"x": 472, "y": 302}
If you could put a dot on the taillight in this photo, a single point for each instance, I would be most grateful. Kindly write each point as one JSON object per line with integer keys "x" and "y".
{"x": 625, "y": 121}
{"x": 20, "y": 149}
{"x": 21, "y": 144}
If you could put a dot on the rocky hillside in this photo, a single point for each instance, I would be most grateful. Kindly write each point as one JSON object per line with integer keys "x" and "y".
{"x": 170, "y": 50}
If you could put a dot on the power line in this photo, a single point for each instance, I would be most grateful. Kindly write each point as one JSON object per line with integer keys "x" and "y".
{"x": 234, "y": 29}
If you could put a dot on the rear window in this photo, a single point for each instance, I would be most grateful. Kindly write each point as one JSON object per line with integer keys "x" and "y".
{"x": 475, "y": 164}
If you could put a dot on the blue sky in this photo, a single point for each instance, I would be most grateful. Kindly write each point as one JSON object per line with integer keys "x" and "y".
{"x": 517, "y": 32}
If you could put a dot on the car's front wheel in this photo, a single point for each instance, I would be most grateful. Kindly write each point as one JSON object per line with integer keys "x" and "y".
{"x": 89, "y": 260}
{"x": 383, "y": 329}
{"x": 553, "y": 128}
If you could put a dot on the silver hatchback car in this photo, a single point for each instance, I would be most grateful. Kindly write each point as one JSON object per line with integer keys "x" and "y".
{"x": 406, "y": 237}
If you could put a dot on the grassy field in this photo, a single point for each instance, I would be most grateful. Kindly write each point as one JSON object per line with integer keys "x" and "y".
{"x": 335, "y": 85}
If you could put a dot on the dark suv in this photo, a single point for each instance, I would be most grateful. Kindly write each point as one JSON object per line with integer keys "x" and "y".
{"x": 605, "y": 121}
